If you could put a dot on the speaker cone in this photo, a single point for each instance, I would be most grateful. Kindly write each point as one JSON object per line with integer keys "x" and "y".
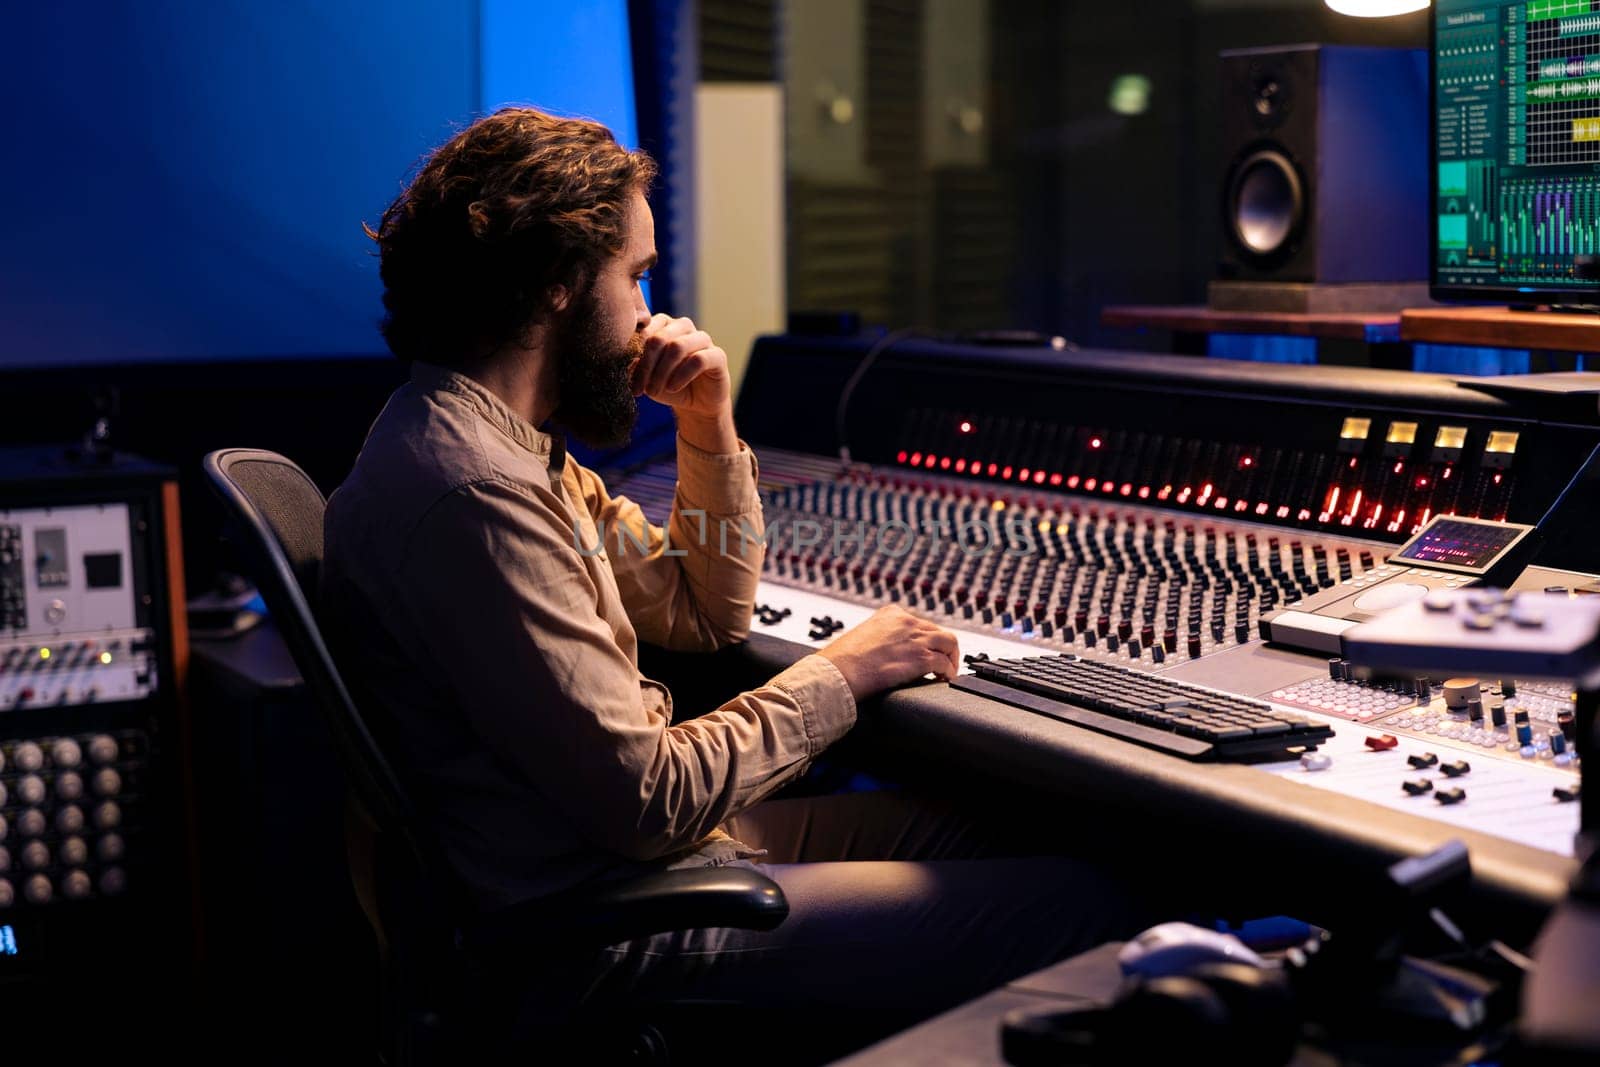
{"x": 1266, "y": 203}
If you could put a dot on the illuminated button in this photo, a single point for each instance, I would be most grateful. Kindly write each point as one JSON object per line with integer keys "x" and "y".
{"x": 76, "y": 885}
{"x": 8, "y": 896}
{"x": 31, "y": 823}
{"x": 113, "y": 880}
{"x": 35, "y": 855}
{"x": 110, "y": 848}
{"x": 69, "y": 819}
{"x": 102, "y": 748}
{"x": 1355, "y": 429}
{"x": 31, "y": 789}
{"x": 66, "y": 753}
{"x": 69, "y": 785}
{"x": 107, "y": 815}
{"x": 38, "y": 889}
{"x": 74, "y": 851}
{"x": 28, "y": 757}
{"x": 1501, "y": 441}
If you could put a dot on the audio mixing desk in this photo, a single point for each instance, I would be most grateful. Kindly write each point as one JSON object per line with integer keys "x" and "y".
{"x": 1520, "y": 792}
{"x": 1106, "y": 533}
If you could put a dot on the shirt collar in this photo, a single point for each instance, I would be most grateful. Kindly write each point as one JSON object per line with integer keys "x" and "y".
{"x": 433, "y": 378}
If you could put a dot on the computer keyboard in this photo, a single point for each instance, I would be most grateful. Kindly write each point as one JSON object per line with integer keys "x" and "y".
{"x": 1180, "y": 719}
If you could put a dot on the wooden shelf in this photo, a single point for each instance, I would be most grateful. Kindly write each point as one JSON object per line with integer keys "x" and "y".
{"x": 1197, "y": 318}
{"x": 1500, "y": 327}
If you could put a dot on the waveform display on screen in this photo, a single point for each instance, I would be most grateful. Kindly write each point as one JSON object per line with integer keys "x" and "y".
{"x": 1574, "y": 27}
{"x": 1517, "y": 142}
{"x": 1562, "y": 90}
{"x": 1577, "y": 89}
{"x": 1571, "y": 67}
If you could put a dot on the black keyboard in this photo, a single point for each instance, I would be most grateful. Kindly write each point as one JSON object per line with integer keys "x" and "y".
{"x": 1184, "y": 720}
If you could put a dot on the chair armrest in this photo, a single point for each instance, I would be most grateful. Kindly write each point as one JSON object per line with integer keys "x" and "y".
{"x": 613, "y": 912}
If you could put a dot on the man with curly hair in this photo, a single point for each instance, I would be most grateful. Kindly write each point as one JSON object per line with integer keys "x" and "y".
{"x": 492, "y": 595}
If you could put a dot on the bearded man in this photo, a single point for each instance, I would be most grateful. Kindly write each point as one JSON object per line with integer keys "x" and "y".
{"x": 491, "y": 613}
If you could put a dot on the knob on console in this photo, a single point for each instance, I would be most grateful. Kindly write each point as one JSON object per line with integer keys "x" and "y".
{"x": 38, "y": 889}
{"x": 75, "y": 885}
{"x": 109, "y": 848}
{"x": 31, "y": 790}
{"x": 66, "y": 753}
{"x": 28, "y": 757}
{"x": 69, "y": 819}
{"x": 1458, "y": 692}
{"x": 73, "y": 851}
{"x": 107, "y": 816}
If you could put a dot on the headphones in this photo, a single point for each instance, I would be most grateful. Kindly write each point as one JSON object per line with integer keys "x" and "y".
{"x": 1218, "y": 1012}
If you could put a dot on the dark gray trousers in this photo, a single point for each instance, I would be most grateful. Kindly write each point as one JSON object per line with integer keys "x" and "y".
{"x": 895, "y": 908}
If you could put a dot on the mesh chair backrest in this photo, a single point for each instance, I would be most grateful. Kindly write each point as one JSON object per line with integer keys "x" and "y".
{"x": 275, "y": 521}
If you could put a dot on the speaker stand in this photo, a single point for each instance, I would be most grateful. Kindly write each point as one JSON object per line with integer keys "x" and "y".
{"x": 1312, "y": 299}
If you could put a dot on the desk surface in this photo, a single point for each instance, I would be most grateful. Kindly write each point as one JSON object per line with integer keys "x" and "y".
{"x": 1197, "y": 318}
{"x": 969, "y": 1036}
{"x": 1500, "y": 327}
{"x": 1304, "y": 851}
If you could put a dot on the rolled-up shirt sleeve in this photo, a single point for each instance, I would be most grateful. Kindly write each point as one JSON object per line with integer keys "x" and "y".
{"x": 692, "y": 586}
{"x": 493, "y": 576}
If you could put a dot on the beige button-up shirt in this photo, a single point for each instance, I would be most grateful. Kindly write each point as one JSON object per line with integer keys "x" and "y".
{"x": 487, "y": 595}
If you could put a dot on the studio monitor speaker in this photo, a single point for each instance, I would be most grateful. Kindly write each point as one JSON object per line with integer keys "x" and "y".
{"x": 1326, "y": 164}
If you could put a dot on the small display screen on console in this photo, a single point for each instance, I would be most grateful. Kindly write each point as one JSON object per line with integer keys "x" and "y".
{"x": 1456, "y": 544}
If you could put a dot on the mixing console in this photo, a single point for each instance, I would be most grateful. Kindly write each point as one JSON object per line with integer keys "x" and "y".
{"x": 1122, "y": 523}
{"x": 1149, "y": 593}
{"x": 1126, "y": 584}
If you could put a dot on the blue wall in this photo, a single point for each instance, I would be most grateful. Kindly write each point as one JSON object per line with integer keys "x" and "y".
{"x": 187, "y": 180}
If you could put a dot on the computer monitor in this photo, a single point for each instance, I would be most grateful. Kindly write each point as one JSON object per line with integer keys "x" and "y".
{"x": 1516, "y": 141}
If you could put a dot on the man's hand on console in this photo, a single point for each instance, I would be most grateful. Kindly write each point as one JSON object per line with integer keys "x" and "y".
{"x": 891, "y": 648}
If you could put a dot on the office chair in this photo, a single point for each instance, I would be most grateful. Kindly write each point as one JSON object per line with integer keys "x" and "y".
{"x": 445, "y": 967}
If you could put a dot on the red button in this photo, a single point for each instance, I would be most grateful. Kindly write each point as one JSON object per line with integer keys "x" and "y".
{"x": 1382, "y": 744}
